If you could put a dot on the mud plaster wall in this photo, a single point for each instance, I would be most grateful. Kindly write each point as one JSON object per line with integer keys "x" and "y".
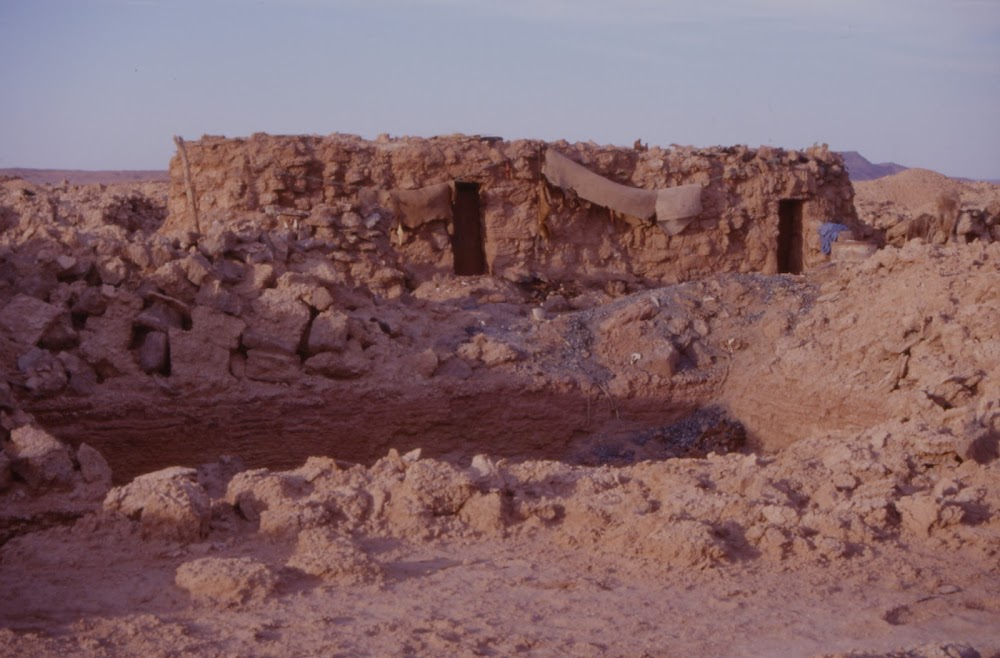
{"x": 316, "y": 179}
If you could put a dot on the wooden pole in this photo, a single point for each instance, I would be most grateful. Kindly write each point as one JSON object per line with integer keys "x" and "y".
{"x": 188, "y": 183}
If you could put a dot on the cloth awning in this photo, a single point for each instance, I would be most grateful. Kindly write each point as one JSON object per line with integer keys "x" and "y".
{"x": 673, "y": 208}
{"x": 416, "y": 207}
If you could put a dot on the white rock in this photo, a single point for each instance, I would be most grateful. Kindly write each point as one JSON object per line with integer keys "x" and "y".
{"x": 169, "y": 504}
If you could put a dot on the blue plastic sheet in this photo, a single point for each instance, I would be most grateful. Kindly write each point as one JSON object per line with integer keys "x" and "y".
{"x": 828, "y": 232}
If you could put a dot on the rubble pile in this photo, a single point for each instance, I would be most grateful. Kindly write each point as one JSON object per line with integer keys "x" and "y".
{"x": 923, "y": 204}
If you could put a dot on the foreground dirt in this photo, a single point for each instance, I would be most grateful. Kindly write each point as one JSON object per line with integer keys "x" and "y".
{"x": 739, "y": 466}
{"x": 873, "y": 542}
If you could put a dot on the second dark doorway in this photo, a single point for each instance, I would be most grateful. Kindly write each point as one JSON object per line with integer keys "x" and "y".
{"x": 467, "y": 238}
{"x": 790, "y": 239}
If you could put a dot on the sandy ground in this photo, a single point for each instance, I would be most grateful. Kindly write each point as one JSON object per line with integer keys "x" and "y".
{"x": 515, "y": 597}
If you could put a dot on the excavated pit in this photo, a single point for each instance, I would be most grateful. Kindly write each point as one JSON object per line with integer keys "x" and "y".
{"x": 137, "y": 437}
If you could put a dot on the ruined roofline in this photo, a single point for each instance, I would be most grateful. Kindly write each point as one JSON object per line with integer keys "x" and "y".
{"x": 818, "y": 151}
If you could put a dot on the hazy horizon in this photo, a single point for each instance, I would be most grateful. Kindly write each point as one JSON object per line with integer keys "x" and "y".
{"x": 104, "y": 84}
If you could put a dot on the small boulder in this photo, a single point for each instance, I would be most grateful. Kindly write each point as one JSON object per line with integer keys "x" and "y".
{"x": 663, "y": 360}
{"x": 485, "y": 512}
{"x": 278, "y": 322}
{"x": 60, "y": 335}
{"x": 422, "y": 363}
{"x": 269, "y": 366}
{"x": 25, "y": 319}
{"x": 213, "y": 294}
{"x": 255, "y": 491}
{"x": 196, "y": 268}
{"x": 320, "y": 299}
{"x": 169, "y": 504}
{"x": 204, "y": 352}
{"x": 328, "y": 333}
{"x": 105, "y": 339}
{"x": 217, "y": 242}
{"x": 489, "y": 351}
{"x": 350, "y": 364}
{"x": 285, "y": 503}
{"x": 40, "y": 459}
{"x": 82, "y": 378}
{"x": 93, "y": 467}
{"x": 172, "y": 279}
{"x": 325, "y": 553}
{"x": 229, "y": 582}
{"x": 153, "y": 352}
{"x": 431, "y": 489}
{"x": 44, "y": 374}
{"x": 90, "y": 301}
{"x": 112, "y": 270}
{"x": 686, "y": 543}
{"x": 923, "y": 513}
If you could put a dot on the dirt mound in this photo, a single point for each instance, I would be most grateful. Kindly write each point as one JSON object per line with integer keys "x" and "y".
{"x": 913, "y": 203}
{"x": 913, "y": 189}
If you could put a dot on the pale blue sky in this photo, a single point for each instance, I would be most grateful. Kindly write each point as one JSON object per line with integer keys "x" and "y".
{"x": 104, "y": 84}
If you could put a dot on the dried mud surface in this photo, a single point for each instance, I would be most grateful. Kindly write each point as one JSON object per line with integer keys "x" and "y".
{"x": 743, "y": 465}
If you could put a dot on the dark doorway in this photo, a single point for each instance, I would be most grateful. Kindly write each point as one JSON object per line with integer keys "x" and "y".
{"x": 467, "y": 238}
{"x": 790, "y": 242}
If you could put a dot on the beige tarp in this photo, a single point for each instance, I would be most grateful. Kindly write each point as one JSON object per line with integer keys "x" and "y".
{"x": 416, "y": 207}
{"x": 563, "y": 172}
{"x": 674, "y": 208}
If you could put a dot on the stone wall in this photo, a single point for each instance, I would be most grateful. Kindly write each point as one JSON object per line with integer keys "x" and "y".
{"x": 342, "y": 181}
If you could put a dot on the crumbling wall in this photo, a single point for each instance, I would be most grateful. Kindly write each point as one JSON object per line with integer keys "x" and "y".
{"x": 317, "y": 181}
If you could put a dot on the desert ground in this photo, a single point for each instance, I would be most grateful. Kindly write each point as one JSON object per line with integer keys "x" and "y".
{"x": 740, "y": 465}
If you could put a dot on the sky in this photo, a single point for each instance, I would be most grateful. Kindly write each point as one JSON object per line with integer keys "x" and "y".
{"x": 105, "y": 84}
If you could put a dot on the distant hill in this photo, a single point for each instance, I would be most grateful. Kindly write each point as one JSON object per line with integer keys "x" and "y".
{"x": 82, "y": 177}
{"x": 860, "y": 169}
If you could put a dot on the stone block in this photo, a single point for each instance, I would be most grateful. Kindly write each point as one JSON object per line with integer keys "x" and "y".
{"x": 217, "y": 328}
{"x": 44, "y": 374}
{"x": 192, "y": 357}
{"x": 25, "y": 319}
{"x": 229, "y": 582}
{"x": 153, "y": 352}
{"x": 168, "y": 504}
{"x": 93, "y": 467}
{"x": 328, "y": 333}
{"x": 277, "y": 323}
{"x": 38, "y": 458}
{"x": 269, "y": 366}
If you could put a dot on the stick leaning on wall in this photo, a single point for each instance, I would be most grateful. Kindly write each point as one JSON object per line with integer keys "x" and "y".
{"x": 188, "y": 184}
